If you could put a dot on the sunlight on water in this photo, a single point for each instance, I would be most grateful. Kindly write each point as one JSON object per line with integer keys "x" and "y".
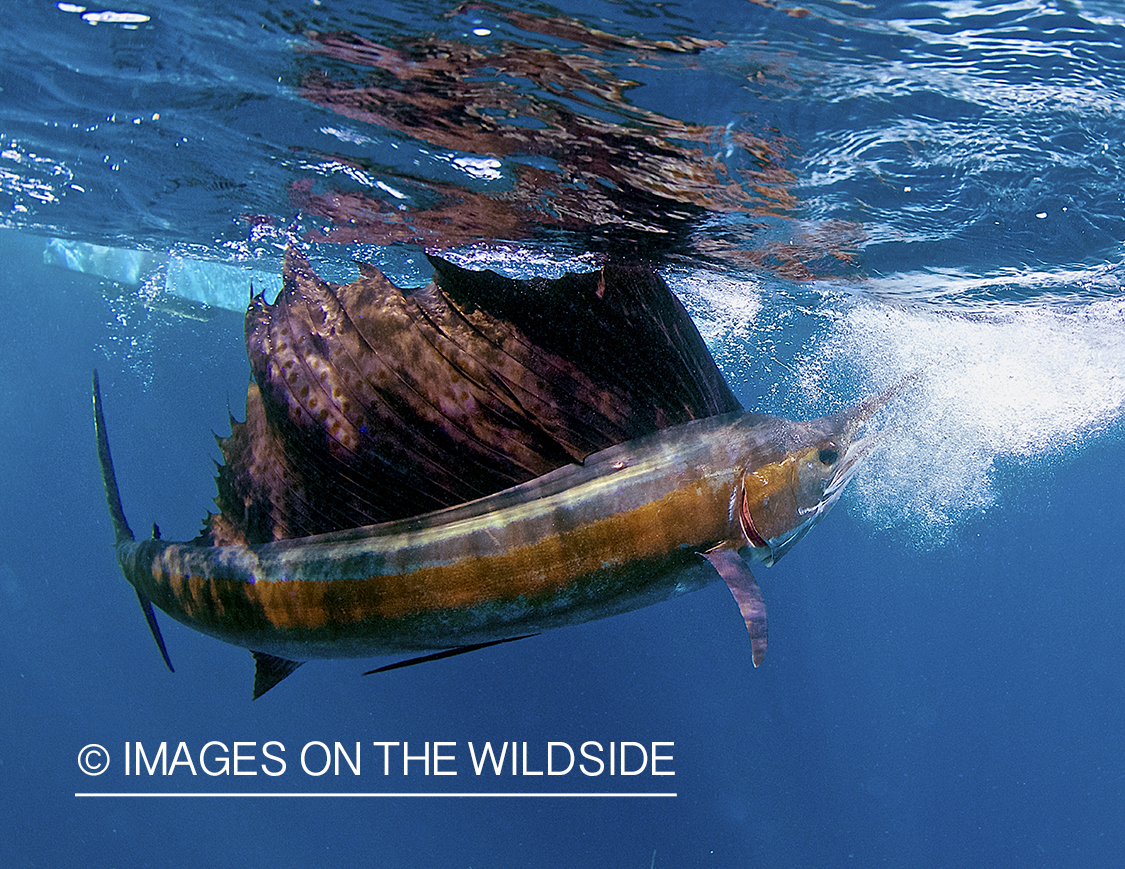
{"x": 1020, "y": 384}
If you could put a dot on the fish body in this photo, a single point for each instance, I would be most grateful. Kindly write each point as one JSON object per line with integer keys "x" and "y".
{"x": 623, "y": 530}
{"x": 603, "y": 532}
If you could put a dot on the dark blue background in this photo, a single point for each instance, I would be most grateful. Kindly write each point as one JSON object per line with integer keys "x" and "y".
{"x": 957, "y": 707}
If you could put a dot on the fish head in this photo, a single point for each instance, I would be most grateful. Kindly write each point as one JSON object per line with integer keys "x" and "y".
{"x": 800, "y": 471}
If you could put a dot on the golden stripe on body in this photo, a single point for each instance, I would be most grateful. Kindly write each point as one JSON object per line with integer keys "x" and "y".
{"x": 549, "y": 565}
{"x": 524, "y": 551}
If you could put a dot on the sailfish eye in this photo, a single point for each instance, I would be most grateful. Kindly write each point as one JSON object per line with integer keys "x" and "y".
{"x": 828, "y": 456}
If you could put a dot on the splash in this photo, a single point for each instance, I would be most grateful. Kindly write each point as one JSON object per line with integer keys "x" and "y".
{"x": 1003, "y": 383}
{"x": 1018, "y": 384}
{"x": 725, "y": 310}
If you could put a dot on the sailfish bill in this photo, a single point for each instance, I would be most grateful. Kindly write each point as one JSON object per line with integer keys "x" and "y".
{"x": 434, "y": 471}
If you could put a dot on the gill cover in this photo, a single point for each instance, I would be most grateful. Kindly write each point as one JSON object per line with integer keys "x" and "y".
{"x": 804, "y": 474}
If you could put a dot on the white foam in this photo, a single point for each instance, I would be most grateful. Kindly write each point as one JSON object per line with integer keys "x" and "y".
{"x": 1016, "y": 384}
{"x": 1002, "y": 384}
{"x": 725, "y": 310}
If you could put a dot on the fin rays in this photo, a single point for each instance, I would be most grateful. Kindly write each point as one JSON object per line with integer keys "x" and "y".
{"x": 372, "y": 403}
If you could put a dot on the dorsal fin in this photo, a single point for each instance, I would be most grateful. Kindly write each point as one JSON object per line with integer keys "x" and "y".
{"x": 372, "y": 403}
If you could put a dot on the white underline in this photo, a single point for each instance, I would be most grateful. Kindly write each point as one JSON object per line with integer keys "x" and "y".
{"x": 375, "y": 795}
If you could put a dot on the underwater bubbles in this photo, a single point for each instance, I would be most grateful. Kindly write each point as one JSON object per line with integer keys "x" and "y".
{"x": 1016, "y": 384}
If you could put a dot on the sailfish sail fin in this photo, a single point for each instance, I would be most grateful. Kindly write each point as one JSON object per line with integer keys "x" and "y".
{"x": 371, "y": 403}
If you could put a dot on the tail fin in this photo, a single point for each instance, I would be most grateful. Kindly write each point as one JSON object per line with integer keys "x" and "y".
{"x": 150, "y": 618}
{"x": 121, "y": 531}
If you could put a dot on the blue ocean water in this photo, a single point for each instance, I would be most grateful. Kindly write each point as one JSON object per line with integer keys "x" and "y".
{"x": 840, "y": 192}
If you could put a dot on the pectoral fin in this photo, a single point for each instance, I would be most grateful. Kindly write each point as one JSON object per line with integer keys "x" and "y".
{"x": 736, "y": 574}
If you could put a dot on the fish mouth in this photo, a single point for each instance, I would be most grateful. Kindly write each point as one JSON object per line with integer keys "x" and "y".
{"x": 853, "y": 457}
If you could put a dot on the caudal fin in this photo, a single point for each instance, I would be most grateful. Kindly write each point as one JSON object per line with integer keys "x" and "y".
{"x": 121, "y": 531}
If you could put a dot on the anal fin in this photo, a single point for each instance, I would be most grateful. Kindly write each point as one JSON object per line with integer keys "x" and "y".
{"x": 736, "y": 574}
{"x": 269, "y": 670}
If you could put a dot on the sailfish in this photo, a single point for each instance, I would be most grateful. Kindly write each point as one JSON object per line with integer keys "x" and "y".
{"x": 434, "y": 470}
